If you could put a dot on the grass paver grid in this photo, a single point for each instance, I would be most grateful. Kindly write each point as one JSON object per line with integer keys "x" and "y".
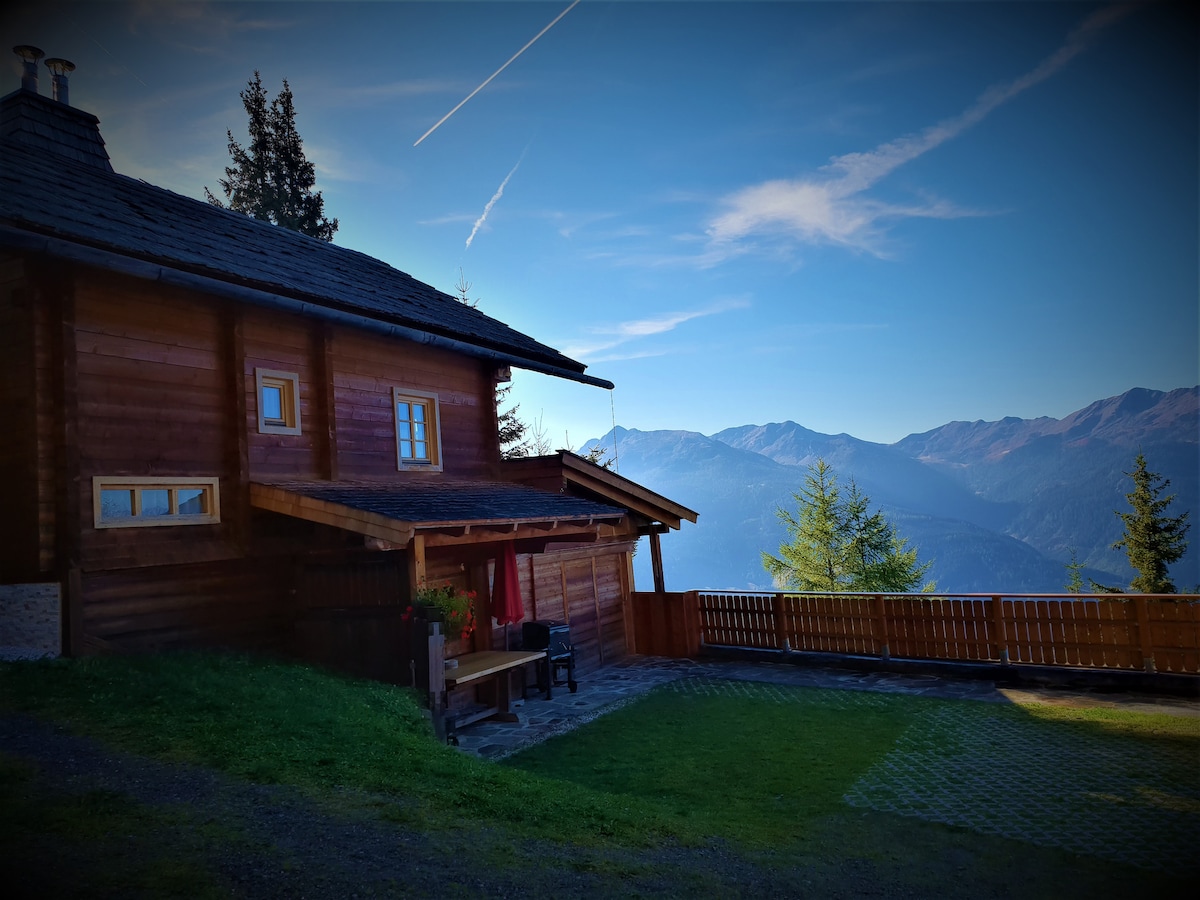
{"x": 997, "y": 770}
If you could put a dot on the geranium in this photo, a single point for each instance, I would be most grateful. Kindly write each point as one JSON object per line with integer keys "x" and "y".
{"x": 457, "y": 607}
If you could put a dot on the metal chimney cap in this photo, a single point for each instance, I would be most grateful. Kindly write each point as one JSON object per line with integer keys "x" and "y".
{"x": 28, "y": 52}
{"x": 60, "y": 66}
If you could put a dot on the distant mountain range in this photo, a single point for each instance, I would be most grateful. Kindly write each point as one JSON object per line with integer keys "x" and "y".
{"x": 997, "y": 506}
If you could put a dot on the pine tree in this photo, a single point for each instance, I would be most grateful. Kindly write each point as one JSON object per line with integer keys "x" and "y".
{"x": 513, "y": 443}
{"x": 1075, "y": 577}
{"x": 839, "y": 544}
{"x": 1152, "y": 540}
{"x": 271, "y": 179}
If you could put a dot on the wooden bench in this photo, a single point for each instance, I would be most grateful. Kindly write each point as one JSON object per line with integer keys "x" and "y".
{"x": 488, "y": 664}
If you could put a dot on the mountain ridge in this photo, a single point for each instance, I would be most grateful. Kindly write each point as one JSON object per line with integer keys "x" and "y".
{"x": 1001, "y": 503}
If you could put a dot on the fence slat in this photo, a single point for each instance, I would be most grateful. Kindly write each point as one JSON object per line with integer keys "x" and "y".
{"x": 1125, "y": 631}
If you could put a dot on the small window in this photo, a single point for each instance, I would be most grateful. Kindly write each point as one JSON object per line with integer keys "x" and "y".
{"x": 278, "y": 401}
{"x": 131, "y": 502}
{"x": 417, "y": 430}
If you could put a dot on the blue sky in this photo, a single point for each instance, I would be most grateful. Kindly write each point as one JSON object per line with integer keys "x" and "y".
{"x": 866, "y": 218}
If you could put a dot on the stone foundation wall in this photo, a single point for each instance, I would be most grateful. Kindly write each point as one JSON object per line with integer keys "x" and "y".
{"x": 30, "y": 621}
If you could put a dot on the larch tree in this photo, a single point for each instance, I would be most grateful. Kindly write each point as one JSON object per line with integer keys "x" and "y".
{"x": 1153, "y": 540}
{"x": 837, "y": 543}
{"x": 271, "y": 179}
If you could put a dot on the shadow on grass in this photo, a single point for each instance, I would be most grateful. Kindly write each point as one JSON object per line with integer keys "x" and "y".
{"x": 939, "y": 793}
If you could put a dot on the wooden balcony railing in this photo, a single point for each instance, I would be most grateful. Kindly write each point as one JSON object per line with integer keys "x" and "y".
{"x": 1150, "y": 632}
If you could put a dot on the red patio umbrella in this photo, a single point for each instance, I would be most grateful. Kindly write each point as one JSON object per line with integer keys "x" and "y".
{"x": 507, "y": 605}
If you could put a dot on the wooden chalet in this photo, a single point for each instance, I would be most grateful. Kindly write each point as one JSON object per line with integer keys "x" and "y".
{"x": 223, "y": 433}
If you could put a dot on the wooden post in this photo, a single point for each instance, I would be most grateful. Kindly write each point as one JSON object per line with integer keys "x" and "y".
{"x": 416, "y": 565}
{"x": 437, "y": 679}
{"x": 660, "y": 583}
{"x": 881, "y": 627}
{"x": 326, "y": 403}
{"x": 1001, "y": 641}
{"x": 781, "y": 635}
{"x": 233, "y": 341}
{"x": 1143, "y": 625}
{"x": 68, "y": 501}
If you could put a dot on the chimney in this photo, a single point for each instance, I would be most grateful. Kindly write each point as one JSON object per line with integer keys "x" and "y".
{"x": 61, "y": 68}
{"x": 50, "y": 124}
{"x": 29, "y": 56}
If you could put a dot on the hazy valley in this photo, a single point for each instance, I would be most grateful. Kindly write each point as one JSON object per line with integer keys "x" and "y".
{"x": 997, "y": 506}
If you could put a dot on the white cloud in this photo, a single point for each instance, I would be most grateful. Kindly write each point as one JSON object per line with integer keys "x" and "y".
{"x": 830, "y": 207}
{"x": 606, "y": 337}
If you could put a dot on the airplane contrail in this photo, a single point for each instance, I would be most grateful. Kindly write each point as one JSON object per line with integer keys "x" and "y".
{"x": 496, "y": 196}
{"x": 497, "y": 72}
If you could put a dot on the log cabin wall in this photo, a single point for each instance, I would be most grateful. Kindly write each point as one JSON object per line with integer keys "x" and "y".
{"x": 135, "y": 378}
{"x": 365, "y": 370}
{"x": 19, "y": 547}
{"x": 166, "y": 386}
{"x": 282, "y": 343}
{"x": 151, "y": 401}
{"x": 586, "y": 587}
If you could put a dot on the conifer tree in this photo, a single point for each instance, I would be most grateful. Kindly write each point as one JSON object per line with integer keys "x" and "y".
{"x": 1152, "y": 540}
{"x": 839, "y": 544}
{"x": 1075, "y": 574}
{"x": 271, "y": 179}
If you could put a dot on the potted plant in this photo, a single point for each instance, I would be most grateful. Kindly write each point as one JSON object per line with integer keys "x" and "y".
{"x": 445, "y": 603}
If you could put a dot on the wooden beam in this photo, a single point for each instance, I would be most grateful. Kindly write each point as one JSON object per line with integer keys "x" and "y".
{"x": 288, "y": 503}
{"x": 516, "y": 532}
{"x": 416, "y": 565}
{"x": 68, "y": 509}
{"x": 326, "y": 403}
{"x": 660, "y": 584}
{"x": 233, "y": 353}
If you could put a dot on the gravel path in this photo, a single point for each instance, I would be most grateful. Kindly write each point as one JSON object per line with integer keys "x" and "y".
{"x": 288, "y": 846}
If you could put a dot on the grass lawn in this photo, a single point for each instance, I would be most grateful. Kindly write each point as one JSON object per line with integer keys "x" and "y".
{"x": 839, "y": 790}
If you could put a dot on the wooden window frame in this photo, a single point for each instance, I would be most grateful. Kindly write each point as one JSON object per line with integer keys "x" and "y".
{"x": 433, "y": 426}
{"x": 136, "y": 485}
{"x": 288, "y": 384}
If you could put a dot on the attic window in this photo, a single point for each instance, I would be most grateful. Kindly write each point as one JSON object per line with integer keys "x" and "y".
{"x": 126, "y": 501}
{"x": 418, "y": 432}
{"x": 278, "y": 401}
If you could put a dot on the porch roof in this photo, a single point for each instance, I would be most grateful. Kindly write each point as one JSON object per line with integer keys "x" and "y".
{"x": 392, "y": 513}
{"x": 567, "y": 471}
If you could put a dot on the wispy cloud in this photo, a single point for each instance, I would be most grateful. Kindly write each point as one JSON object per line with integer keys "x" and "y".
{"x": 495, "y": 197}
{"x": 606, "y": 337}
{"x": 830, "y": 207}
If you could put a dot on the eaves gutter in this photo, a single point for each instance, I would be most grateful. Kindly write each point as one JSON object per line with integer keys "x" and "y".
{"x": 148, "y": 271}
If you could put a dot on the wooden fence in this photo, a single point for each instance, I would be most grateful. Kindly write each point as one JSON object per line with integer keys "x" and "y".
{"x": 1155, "y": 633}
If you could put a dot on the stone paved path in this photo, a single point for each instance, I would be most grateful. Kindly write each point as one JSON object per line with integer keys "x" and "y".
{"x": 962, "y": 764}
{"x": 613, "y": 686}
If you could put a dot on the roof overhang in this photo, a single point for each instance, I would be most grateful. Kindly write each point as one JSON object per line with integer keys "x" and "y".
{"x": 152, "y": 270}
{"x": 442, "y": 512}
{"x": 566, "y": 471}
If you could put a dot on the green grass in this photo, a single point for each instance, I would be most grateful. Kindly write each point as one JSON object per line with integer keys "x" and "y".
{"x": 832, "y": 781}
{"x": 275, "y": 723}
{"x": 727, "y": 766}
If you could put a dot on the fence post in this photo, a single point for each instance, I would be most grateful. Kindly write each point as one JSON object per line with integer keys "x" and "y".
{"x": 882, "y": 627}
{"x": 998, "y": 626}
{"x": 781, "y": 637}
{"x": 1143, "y": 620}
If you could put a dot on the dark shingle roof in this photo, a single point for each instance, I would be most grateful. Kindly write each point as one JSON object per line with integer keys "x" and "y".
{"x": 54, "y": 194}
{"x": 426, "y": 503}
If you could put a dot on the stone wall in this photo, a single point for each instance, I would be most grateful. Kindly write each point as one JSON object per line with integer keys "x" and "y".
{"x": 30, "y": 621}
